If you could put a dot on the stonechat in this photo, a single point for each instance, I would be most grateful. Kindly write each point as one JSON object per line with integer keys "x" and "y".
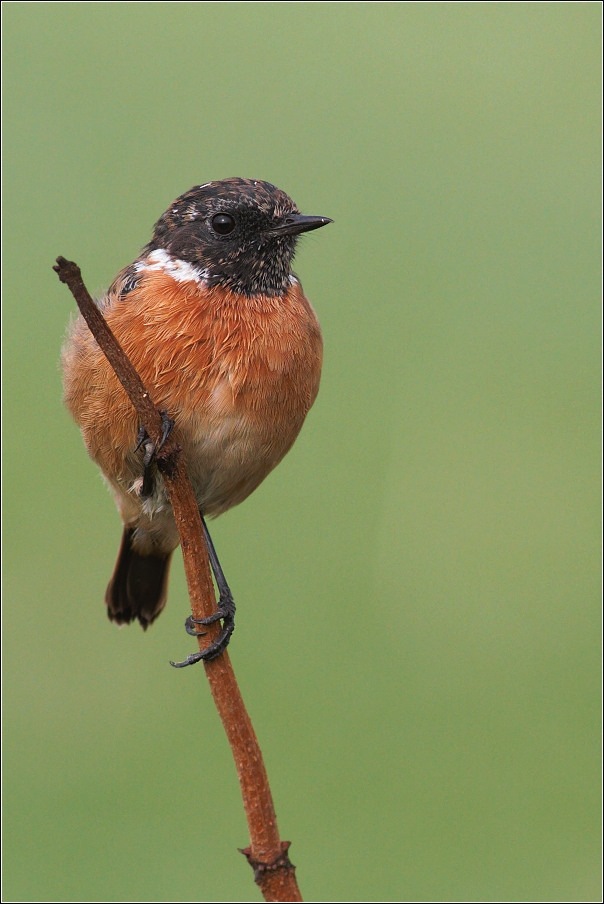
{"x": 222, "y": 335}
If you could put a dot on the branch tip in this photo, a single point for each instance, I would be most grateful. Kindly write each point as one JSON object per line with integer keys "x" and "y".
{"x": 67, "y": 271}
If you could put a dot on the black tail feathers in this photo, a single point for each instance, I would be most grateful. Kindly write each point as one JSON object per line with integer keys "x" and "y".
{"x": 139, "y": 585}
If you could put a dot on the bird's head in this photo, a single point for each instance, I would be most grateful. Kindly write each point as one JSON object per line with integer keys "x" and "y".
{"x": 238, "y": 233}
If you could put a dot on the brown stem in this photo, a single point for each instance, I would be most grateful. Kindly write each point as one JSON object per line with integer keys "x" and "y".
{"x": 267, "y": 854}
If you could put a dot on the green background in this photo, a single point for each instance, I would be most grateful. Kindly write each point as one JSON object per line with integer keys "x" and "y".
{"x": 417, "y": 582}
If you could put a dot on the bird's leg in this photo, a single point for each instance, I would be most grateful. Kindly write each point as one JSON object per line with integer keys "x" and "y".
{"x": 226, "y": 604}
{"x": 151, "y": 450}
{"x": 225, "y": 611}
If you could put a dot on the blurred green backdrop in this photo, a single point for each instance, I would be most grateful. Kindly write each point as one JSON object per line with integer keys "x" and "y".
{"x": 417, "y": 583}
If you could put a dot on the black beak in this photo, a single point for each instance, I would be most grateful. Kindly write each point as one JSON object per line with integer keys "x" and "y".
{"x": 295, "y": 223}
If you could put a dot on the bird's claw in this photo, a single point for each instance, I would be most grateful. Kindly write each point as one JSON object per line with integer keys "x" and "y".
{"x": 226, "y": 612}
{"x": 189, "y": 622}
{"x": 143, "y": 439}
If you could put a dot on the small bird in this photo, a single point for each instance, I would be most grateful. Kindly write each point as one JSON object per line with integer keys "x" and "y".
{"x": 221, "y": 333}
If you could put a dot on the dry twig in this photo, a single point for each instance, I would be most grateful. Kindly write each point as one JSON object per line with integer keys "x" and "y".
{"x": 267, "y": 854}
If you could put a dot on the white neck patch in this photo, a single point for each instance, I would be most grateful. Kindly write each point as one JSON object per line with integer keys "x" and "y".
{"x": 180, "y": 271}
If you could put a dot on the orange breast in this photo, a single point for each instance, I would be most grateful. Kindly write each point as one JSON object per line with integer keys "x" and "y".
{"x": 237, "y": 374}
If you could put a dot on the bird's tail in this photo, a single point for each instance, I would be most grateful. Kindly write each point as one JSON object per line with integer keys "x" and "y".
{"x": 139, "y": 584}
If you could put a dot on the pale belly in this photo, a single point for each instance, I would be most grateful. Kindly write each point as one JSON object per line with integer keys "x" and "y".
{"x": 228, "y": 452}
{"x": 229, "y": 459}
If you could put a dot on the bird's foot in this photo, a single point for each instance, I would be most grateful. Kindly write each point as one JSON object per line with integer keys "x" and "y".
{"x": 226, "y": 612}
{"x": 167, "y": 425}
{"x": 150, "y": 449}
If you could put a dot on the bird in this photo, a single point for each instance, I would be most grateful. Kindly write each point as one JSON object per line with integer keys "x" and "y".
{"x": 221, "y": 333}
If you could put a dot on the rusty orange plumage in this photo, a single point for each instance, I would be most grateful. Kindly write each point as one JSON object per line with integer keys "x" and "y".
{"x": 222, "y": 334}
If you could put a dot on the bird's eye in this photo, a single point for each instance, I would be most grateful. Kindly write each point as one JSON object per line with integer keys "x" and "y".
{"x": 222, "y": 223}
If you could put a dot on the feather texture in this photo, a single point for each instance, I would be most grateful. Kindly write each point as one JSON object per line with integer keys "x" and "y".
{"x": 237, "y": 374}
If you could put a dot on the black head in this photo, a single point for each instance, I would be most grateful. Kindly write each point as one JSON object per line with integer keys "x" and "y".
{"x": 238, "y": 233}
